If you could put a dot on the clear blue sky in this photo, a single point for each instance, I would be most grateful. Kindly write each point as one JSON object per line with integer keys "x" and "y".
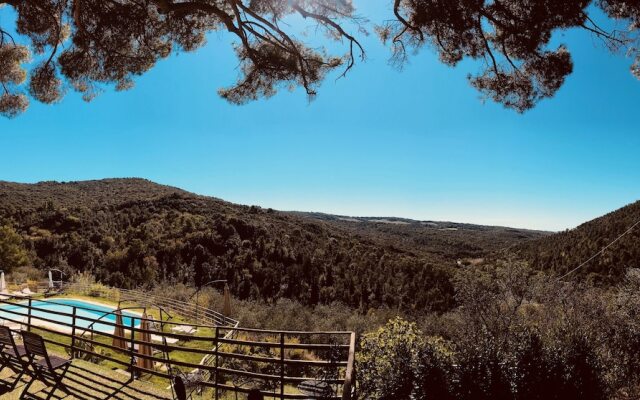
{"x": 417, "y": 143}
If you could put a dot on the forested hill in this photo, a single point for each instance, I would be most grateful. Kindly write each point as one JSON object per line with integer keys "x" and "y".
{"x": 132, "y": 232}
{"x": 448, "y": 240}
{"x": 82, "y": 194}
{"x": 566, "y": 250}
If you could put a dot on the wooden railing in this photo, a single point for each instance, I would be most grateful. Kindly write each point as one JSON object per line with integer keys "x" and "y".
{"x": 233, "y": 359}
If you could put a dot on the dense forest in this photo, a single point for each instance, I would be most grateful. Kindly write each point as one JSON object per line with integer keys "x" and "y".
{"x": 564, "y": 251}
{"x": 132, "y": 233}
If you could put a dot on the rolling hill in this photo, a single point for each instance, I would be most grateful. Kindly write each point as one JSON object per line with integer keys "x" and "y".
{"x": 133, "y": 232}
{"x": 564, "y": 251}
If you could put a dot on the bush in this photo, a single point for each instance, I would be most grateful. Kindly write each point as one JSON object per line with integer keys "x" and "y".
{"x": 514, "y": 335}
{"x": 398, "y": 362}
{"x": 83, "y": 283}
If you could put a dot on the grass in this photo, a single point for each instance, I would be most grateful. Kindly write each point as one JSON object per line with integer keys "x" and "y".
{"x": 157, "y": 386}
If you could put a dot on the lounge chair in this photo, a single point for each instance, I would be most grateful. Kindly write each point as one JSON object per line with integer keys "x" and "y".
{"x": 161, "y": 338}
{"x": 185, "y": 329}
{"x": 12, "y": 356}
{"x": 26, "y": 292}
{"x": 47, "y": 369}
{"x": 53, "y": 291}
{"x": 317, "y": 389}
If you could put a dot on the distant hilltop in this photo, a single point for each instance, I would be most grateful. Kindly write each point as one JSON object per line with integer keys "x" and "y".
{"x": 83, "y": 193}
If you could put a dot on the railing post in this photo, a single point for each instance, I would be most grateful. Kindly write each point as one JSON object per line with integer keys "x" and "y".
{"x": 349, "y": 379}
{"x": 29, "y": 317}
{"x": 73, "y": 333}
{"x": 281, "y": 365}
{"x": 132, "y": 349}
{"x": 216, "y": 355}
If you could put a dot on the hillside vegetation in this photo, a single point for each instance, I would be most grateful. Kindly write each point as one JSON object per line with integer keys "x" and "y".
{"x": 132, "y": 232}
{"x": 447, "y": 240}
{"x": 564, "y": 251}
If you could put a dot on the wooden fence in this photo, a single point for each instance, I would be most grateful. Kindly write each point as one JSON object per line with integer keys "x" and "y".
{"x": 231, "y": 358}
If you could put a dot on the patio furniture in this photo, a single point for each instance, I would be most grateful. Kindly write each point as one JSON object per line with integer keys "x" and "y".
{"x": 185, "y": 329}
{"x": 26, "y": 292}
{"x": 316, "y": 389}
{"x": 145, "y": 349}
{"x": 53, "y": 291}
{"x": 12, "y": 356}
{"x": 47, "y": 369}
{"x": 162, "y": 338}
{"x": 183, "y": 385}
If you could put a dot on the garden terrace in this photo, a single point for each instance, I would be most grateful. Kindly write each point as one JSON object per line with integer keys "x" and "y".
{"x": 227, "y": 359}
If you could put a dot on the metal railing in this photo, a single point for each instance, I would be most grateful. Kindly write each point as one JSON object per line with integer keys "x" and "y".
{"x": 190, "y": 310}
{"x": 236, "y": 359}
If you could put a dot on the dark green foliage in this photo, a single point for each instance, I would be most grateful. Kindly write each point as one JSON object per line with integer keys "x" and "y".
{"x": 451, "y": 241}
{"x": 12, "y": 251}
{"x": 511, "y": 39}
{"x": 92, "y": 44}
{"x": 518, "y": 335}
{"x": 388, "y": 360}
{"x": 132, "y": 233}
{"x": 564, "y": 251}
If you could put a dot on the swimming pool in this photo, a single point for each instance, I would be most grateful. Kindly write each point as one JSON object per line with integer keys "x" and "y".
{"x": 85, "y": 309}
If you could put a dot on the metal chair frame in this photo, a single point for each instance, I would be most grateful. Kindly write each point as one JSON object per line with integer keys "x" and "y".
{"x": 47, "y": 369}
{"x": 12, "y": 356}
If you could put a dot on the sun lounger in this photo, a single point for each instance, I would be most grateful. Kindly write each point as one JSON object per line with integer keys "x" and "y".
{"x": 189, "y": 330}
{"x": 53, "y": 292}
{"x": 159, "y": 338}
{"x": 26, "y": 292}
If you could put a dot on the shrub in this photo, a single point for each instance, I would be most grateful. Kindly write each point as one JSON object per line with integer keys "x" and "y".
{"x": 396, "y": 362}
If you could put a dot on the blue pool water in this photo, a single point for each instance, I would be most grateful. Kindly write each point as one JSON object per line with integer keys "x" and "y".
{"x": 84, "y": 309}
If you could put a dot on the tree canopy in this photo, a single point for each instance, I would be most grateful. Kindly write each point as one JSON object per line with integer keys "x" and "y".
{"x": 89, "y": 44}
{"x": 12, "y": 251}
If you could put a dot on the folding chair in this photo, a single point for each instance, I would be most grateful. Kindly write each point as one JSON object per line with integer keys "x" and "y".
{"x": 12, "y": 356}
{"x": 49, "y": 370}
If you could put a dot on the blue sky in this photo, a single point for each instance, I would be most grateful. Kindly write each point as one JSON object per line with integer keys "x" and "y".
{"x": 416, "y": 143}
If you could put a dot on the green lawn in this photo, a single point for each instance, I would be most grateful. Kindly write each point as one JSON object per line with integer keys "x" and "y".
{"x": 158, "y": 387}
